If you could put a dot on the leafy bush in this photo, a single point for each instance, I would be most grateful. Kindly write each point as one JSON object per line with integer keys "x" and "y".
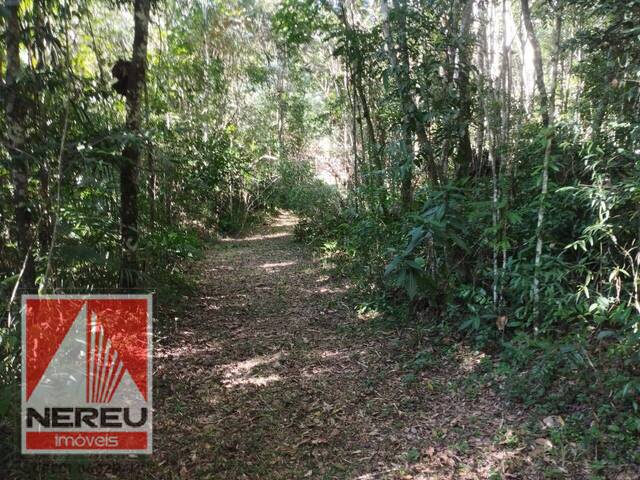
{"x": 577, "y": 352}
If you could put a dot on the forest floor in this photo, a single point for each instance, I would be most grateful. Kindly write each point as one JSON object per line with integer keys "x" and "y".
{"x": 272, "y": 374}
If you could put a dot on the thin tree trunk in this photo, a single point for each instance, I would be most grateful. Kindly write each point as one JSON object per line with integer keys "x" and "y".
{"x": 2, "y": 53}
{"x": 449, "y": 77}
{"x": 409, "y": 107}
{"x": 488, "y": 111}
{"x": 482, "y": 51}
{"x": 399, "y": 61}
{"x": 545, "y": 166}
{"x": 465, "y": 152}
{"x": 537, "y": 61}
{"x": 601, "y": 106}
{"x": 354, "y": 127}
{"x": 15, "y": 116}
{"x": 495, "y": 216}
{"x": 363, "y": 143}
{"x": 131, "y": 153}
{"x": 44, "y": 176}
{"x": 44, "y": 230}
{"x": 522, "y": 40}
{"x": 352, "y": 179}
{"x": 505, "y": 179}
{"x": 566, "y": 80}
{"x": 366, "y": 113}
{"x": 39, "y": 33}
{"x": 206, "y": 67}
{"x": 152, "y": 187}
{"x": 361, "y": 99}
{"x": 400, "y": 70}
{"x": 280, "y": 87}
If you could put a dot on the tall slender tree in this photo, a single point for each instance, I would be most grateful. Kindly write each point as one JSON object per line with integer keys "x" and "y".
{"x": 131, "y": 154}
{"x": 465, "y": 153}
{"x": 15, "y": 111}
{"x": 537, "y": 61}
{"x": 547, "y": 106}
{"x": 398, "y": 54}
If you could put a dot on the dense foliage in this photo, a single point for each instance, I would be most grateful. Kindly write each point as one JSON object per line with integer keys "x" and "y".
{"x": 108, "y": 184}
{"x": 493, "y": 189}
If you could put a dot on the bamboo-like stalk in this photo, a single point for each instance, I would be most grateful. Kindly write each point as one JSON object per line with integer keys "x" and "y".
{"x": 545, "y": 165}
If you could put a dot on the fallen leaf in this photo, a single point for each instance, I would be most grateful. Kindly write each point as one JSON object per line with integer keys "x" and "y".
{"x": 553, "y": 421}
{"x": 184, "y": 473}
{"x": 545, "y": 443}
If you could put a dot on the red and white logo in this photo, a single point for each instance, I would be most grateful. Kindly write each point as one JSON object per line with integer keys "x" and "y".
{"x": 86, "y": 374}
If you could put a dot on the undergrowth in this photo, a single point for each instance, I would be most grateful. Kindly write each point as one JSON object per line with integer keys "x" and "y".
{"x": 575, "y": 356}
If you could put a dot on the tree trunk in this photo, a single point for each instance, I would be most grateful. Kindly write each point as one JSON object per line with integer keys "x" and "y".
{"x": 348, "y": 141}
{"x": 2, "y": 53}
{"x": 537, "y": 61}
{"x": 601, "y": 104}
{"x": 522, "y": 40}
{"x": 39, "y": 33}
{"x": 131, "y": 153}
{"x": 487, "y": 102}
{"x": 400, "y": 70}
{"x": 45, "y": 214}
{"x": 465, "y": 152}
{"x": 360, "y": 99}
{"x": 545, "y": 166}
{"x": 354, "y": 126}
{"x": 280, "y": 89}
{"x": 152, "y": 187}
{"x": 399, "y": 60}
{"x": 44, "y": 231}
{"x": 15, "y": 115}
{"x": 505, "y": 176}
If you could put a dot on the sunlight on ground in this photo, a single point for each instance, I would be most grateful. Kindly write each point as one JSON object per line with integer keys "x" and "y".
{"x": 471, "y": 361}
{"x": 268, "y": 266}
{"x": 332, "y": 290}
{"x": 188, "y": 350}
{"x": 329, "y": 362}
{"x": 332, "y": 354}
{"x": 255, "y": 238}
{"x": 327, "y": 290}
{"x": 285, "y": 219}
{"x": 369, "y": 315}
{"x": 240, "y": 373}
{"x": 257, "y": 381}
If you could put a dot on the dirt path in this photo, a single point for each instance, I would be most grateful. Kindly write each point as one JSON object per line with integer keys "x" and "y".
{"x": 270, "y": 375}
